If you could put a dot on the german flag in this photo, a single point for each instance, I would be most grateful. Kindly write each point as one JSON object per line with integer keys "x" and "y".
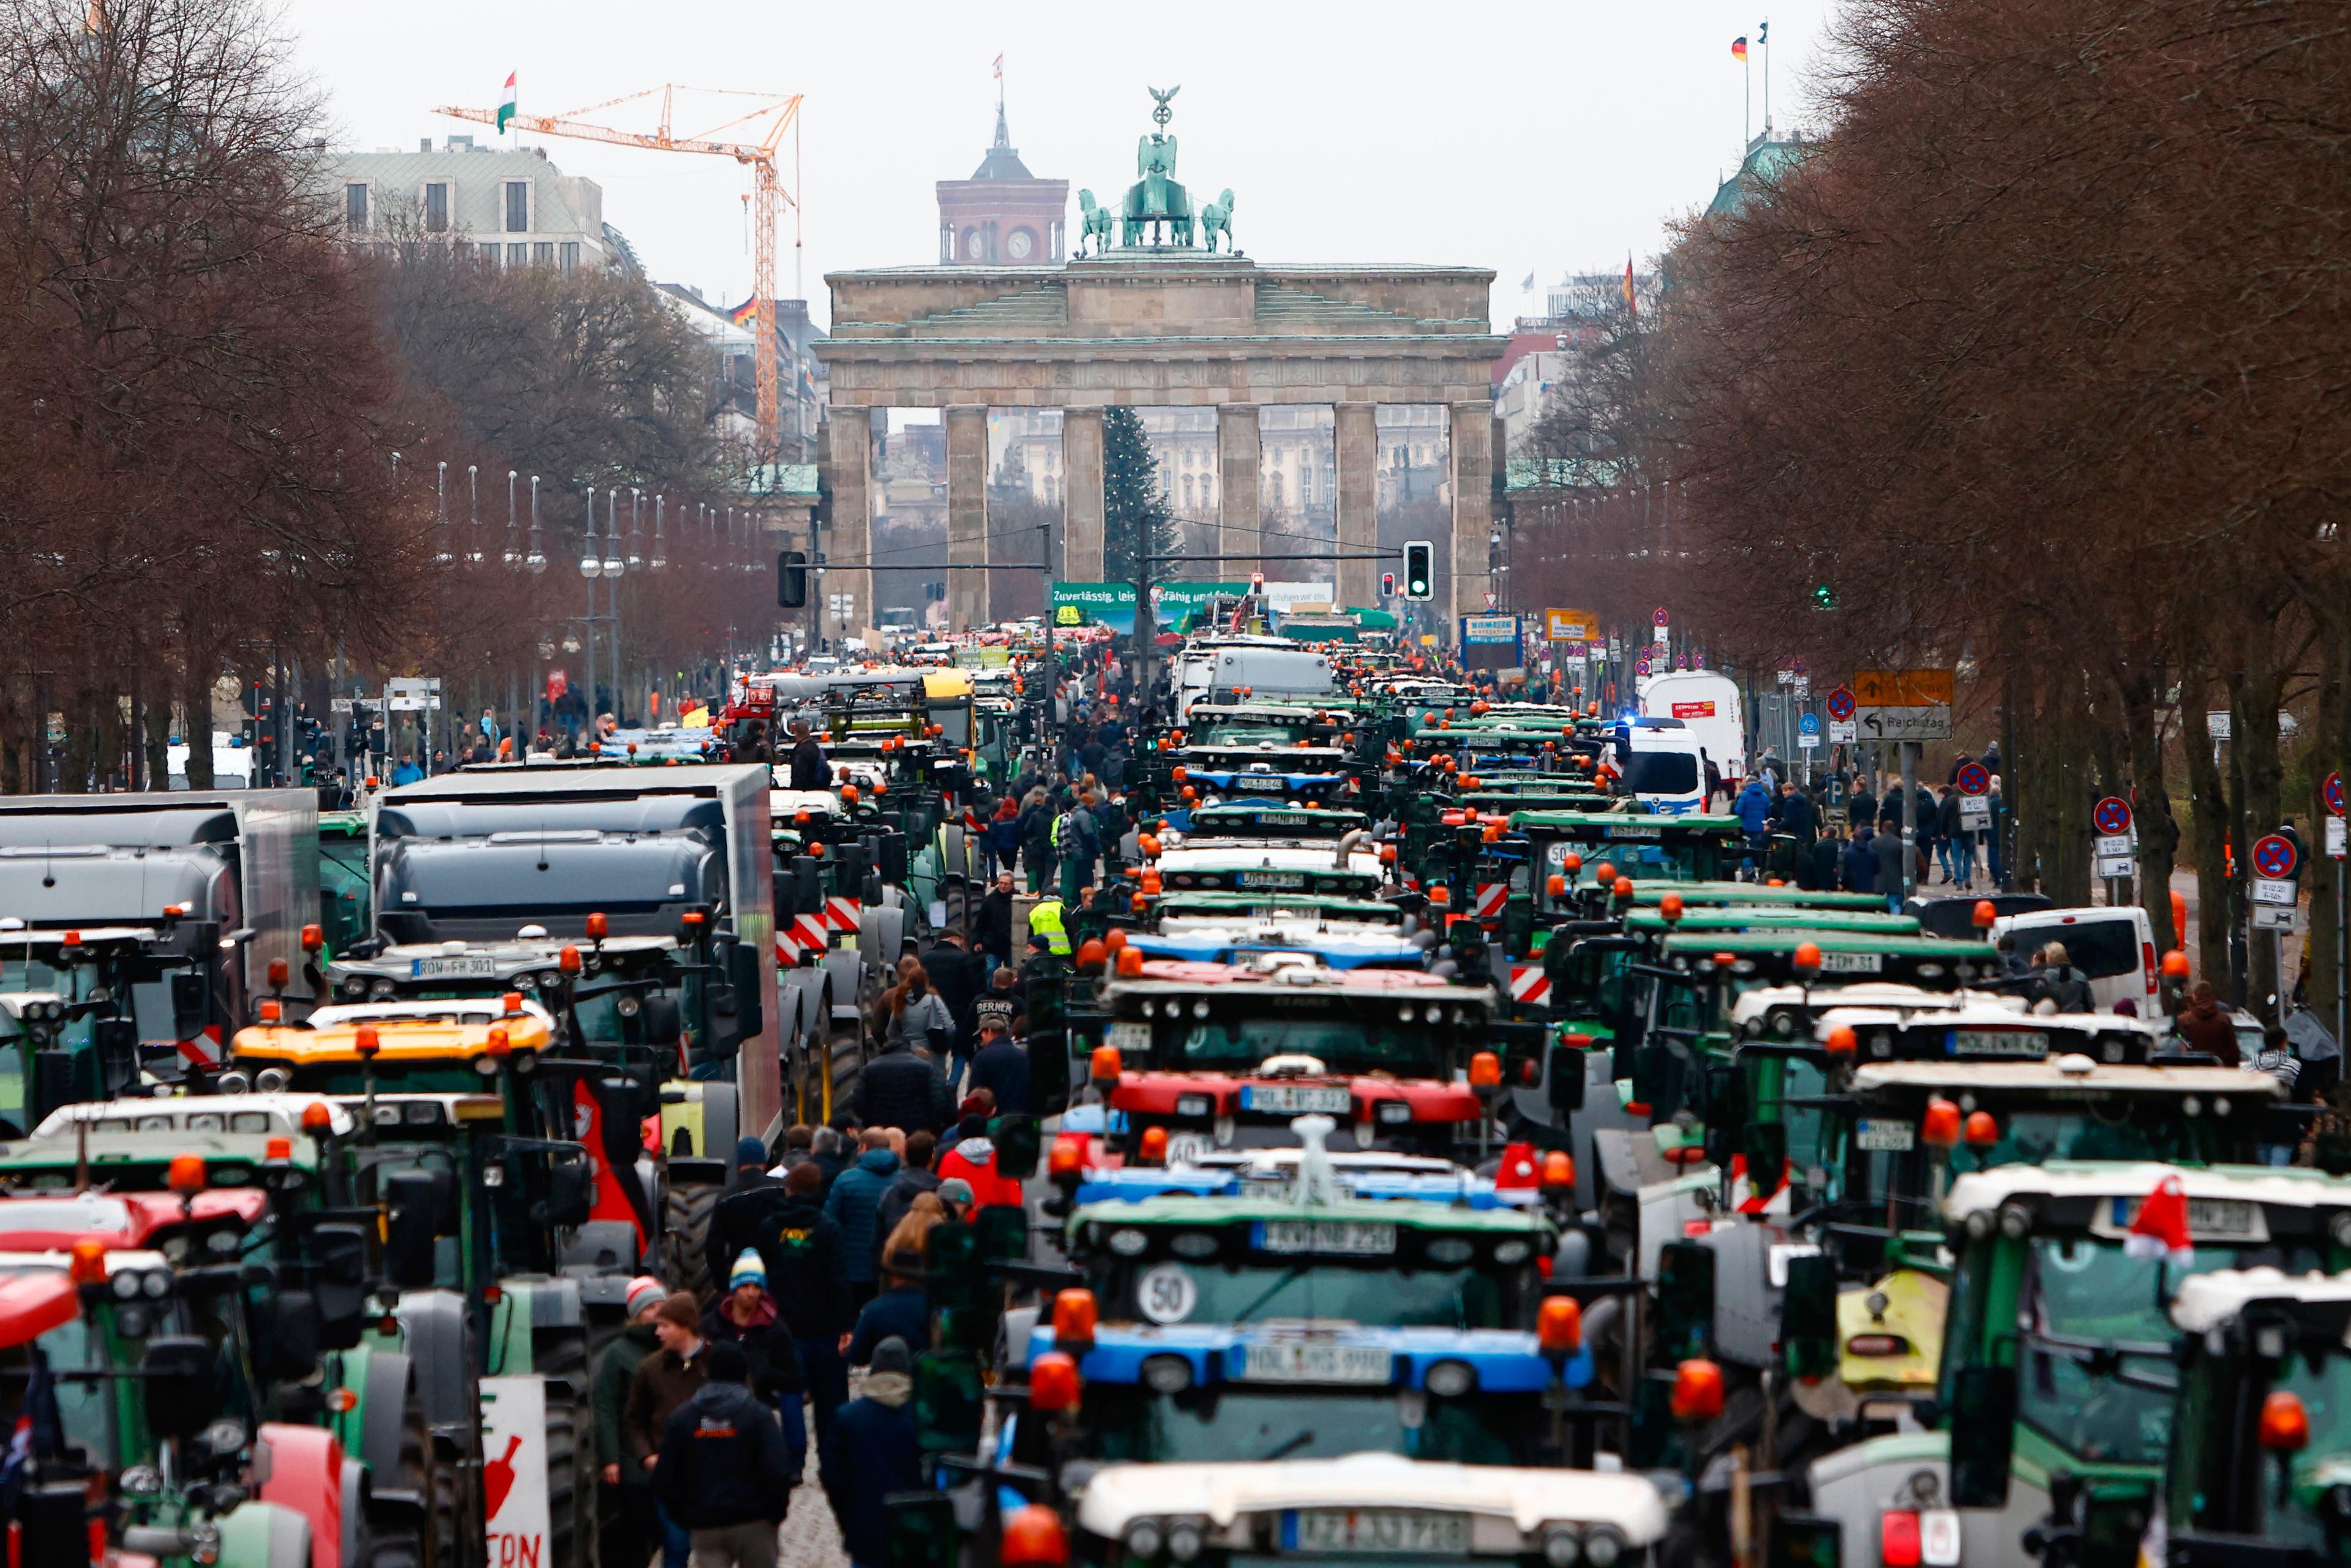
{"x": 1739, "y": 50}
{"x": 743, "y": 315}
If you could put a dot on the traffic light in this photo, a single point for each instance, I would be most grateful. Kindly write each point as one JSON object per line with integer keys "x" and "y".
{"x": 1824, "y": 596}
{"x": 791, "y": 578}
{"x": 1387, "y": 585}
{"x": 1419, "y": 570}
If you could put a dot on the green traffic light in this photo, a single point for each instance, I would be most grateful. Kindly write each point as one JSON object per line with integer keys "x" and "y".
{"x": 1825, "y": 596}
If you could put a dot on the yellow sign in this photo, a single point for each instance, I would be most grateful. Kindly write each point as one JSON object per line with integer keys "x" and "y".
{"x": 1571, "y": 626}
{"x": 1902, "y": 688}
{"x": 1426, "y": 640}
{"x": 1069, "y": 615}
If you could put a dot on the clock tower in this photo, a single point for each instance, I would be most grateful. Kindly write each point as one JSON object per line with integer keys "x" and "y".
{"x": 1003, "y": 215}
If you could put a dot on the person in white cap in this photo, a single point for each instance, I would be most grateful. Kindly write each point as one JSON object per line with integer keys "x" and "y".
{"x": 624, "y": 1493}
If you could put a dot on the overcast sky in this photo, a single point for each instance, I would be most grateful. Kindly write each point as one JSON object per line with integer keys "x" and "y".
{"x": 1549, "y": 138}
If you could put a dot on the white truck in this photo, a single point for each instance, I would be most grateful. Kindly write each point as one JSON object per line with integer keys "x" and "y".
{"x": 1706, "y": 703}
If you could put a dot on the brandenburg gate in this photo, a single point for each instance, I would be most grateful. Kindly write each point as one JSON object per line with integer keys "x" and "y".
{"x": 1161, "y": 317}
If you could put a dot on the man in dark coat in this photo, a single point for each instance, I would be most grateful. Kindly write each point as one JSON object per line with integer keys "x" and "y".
{"x": 899, "y": 1089}
{"x": 872, "y": 1451}
{"x": 809, "y": 769}
{"x": 807, "y": 1276}
{"x": 1001, "y": 1067}
{"x": 991, "y": 923}
{"x": 955, "y": 976}
{"x": 914, "y": 1178}
{"x": 725, "y": 1472}
{"x": 741, "y": 1217}
{"x": 1858, "y": 867}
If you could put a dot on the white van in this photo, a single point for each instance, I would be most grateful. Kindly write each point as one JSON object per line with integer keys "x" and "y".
{"x": 1706, "y": 703}
{"x": 2112, "y": 944}
{"x": 1662, "y": 770}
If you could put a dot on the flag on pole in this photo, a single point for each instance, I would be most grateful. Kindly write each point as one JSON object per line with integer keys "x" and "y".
{"x": 1631, "y": 308}
{"x": 747, "y": 311}
{"x": 506, "y": 103}
{"x": 1530, "y": 283}
{"x": 1739, "y": 49}
{"x": 999, "y": 68}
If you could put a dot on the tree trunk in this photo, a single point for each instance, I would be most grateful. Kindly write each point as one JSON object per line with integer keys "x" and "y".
{"x": 196, "y": 694}
{"x": 2209, "y": 814}
{"x": 2159, "y": 829}
{"x": 2260, "y": 771}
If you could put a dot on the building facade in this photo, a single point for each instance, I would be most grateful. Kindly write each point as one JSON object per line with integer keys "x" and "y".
{"x": 1003, "y": 215}
{"x": 514, "y": 207}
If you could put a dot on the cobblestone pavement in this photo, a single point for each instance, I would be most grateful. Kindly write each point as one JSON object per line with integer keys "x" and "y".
{"x": 810, "y": 1538}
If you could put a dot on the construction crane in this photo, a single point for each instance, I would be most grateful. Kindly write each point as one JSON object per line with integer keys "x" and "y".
{"x": 767, "y": 183}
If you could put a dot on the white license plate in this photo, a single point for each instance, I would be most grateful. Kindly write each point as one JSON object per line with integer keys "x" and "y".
{"x": 1999, "y": 1043}
{"x": 1308, "y": 1363}
{"x": 1187, "y": 1149}
{"x": 1130, "y": 1036}
{"x": 1353, "y": 1238}
{"x": 1384, "y": 1531}
{"x": 444, "y": 968}
{"x": 2207, "y": 1217}
{"x": 1285, "y": 878}
{"x": 1259, "y": 781}
{"x": 1293, "y": 1098}
{"x": 1851, "y": 963}
{"x": 1284, "y": 818}
{"x": 1893, "y": 1137}
{"x": 1644, "y": 832}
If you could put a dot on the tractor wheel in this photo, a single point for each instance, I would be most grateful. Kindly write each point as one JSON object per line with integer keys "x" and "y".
{"x": 685, "y": 1231}
{"x": 561, "y": 1359}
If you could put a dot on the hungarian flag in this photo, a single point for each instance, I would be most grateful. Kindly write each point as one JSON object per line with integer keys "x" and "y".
{"x": 506, "y": 103}
{"x": 999, "y": 68}
{"x": 1739, "y": 50}
{"x": 2160, "y": 1230}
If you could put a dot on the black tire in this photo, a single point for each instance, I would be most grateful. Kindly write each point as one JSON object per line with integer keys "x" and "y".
{"x": 560, "y": 1358}
{"x": 686, "y": 1233}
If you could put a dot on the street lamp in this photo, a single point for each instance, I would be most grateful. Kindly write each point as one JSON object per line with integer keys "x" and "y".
{"x": 661, "y": 543}
{"x": 591, "y": 563}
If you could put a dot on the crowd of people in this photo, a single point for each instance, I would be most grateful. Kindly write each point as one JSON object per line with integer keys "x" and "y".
{"x": 1792, "y": 834}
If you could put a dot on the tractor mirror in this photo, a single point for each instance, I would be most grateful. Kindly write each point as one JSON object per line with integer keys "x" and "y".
{"x": 1983, "y": 1443}
{"x": 1564, "y": 1078}
{"x": 663, "y": 1021}
{"x": 743, "y": 973}
{"x": 411, "y": 1234}
{"x": 570, "y": 1192}
{"x": 1016, "y": 1148}
{"x": 178, "y": 1377}
{"x": 188, "y": 995}
{"x": 1808, "y": 1327}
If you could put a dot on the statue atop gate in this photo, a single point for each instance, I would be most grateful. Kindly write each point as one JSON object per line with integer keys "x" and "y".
{"x": 1158, "y": 213}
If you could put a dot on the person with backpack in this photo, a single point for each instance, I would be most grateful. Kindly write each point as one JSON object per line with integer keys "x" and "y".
{"x": 2057, "y": 982}
{"x": 725, "y": 1472}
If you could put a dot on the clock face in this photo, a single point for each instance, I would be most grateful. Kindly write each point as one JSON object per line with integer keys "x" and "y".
{"x": 974, "y": 244}
{"x": 1019, "y": 245}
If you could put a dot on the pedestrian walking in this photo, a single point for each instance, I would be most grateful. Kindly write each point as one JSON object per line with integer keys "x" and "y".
{"x": 900, "y": 1309}
{"x": 803, "y": 1254}
{"x": 1887, "y": 855}
{"x": 1001, "y": 1067}
{"x": 920, "y": 1016}
{"x": 914, "y": 1178}
{"x": 749, "y": 1315}
{"x": 741, "y": 1218}
{"x": 628, "y": 1525}
{"x": 872, "y": 1452}
{"x": 856, "y": 1197}
{"x": 809, "y": 768}
{"x": 955, "y": 979}
{"x": 1857, "y": 866}
{"x": 1036, "y": 828}
{"x": 991, "y": 923}
{"x": 902, "y": 1089}
{"x": 727, "y": 1468}
{"x": 661, "y": 1387}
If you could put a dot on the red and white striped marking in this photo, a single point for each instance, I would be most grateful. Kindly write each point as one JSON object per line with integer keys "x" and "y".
{"x": 204, "y": 1049}
{"x": 801, "y": 934}
{"x": 841, "y": 913}
{"x": 1491, "y": 896}
{"x": 1529, "y": 983}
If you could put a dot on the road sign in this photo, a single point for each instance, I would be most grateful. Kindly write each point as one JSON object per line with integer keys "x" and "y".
{"x": 2117, "y": 844}
{"x": 1659, "y": 617}
{"x": 1840, "y": 703}
{"x": 1975, "y": 813}
{"x": 2110, "y": 866}
{"x": 2273, "y": 890}
{"x": 1974, "y": 778}
{"x": 2333, "y": 790}
{"x": 1802, "y": 668}
{"x": 1844, "y": 731}
{"x": 410, "y": 695}
{"x": 2335, "y": 826}
{"x": 1641, "y": 665}
{"x": 2216, "y": 723}
{"x": 1808, "y": 740}
{"x": 2112, "y": 815}
{"x": 2273, "y": 857}
{"x": 2274, "y": 917}
{"x": 1809, "y": 724}
{"x": 1803, "y": 686}
{"x": 1570, "y": 625}
{"x": 1903, "y": 705}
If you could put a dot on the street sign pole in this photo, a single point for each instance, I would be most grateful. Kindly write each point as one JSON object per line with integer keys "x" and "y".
{"x": 1909, "y": 818}
{"x": 2336, "y": 831}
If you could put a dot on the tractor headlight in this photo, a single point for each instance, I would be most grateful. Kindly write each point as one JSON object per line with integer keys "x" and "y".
{"x": 1145, "y": 1538}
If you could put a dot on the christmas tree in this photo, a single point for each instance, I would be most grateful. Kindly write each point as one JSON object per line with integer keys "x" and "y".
{"x": 1135, "y": 515}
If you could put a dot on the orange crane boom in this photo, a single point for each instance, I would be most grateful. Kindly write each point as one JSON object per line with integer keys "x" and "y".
{"x": 768, "y": 185}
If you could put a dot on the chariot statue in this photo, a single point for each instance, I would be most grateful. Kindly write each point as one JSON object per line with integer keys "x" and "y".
{"x": 1158, "y": 210}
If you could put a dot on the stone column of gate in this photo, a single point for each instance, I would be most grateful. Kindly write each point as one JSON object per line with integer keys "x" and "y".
{"x": 1082, "y": 494}
{"x": 1471, "y": 438}
{"x": 967, "y": 596}
{"x": 1239, "y": 524}
{"x": 848, "y": 459}
{"x": 1357, "y": 436}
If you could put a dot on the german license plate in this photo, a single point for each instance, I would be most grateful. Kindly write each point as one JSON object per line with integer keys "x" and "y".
{"x": 1291, "y": 1362}
{"x": 1637, "y": 831}
{"x": 1277, "y": 879}
{"x": 1284, "y": 818}
{"x": 444, "y": 968}
{"x": 1293, "y": 1098}
{"x": 1265, "y": 781}
{"x": 1384, "y": 1531}
{"x": 1891, "y": 1137}
{"x": 1353, "y": 1238}
{"x": 1130, "y": 1036}
{"x": 2209, "y": 1218}
{"x": 1187, "y": 1149}
{"x": 1999, "y": 1043}
{"x": 1851, "y": 963}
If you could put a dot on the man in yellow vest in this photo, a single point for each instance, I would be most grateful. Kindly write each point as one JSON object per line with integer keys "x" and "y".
{"x": 1045, "y": 920}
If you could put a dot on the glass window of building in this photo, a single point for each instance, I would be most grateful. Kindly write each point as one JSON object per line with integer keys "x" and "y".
{"x": 517, "y": 212}
{"x": 436, "y": 208}
{"x": 355, "y": 207}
